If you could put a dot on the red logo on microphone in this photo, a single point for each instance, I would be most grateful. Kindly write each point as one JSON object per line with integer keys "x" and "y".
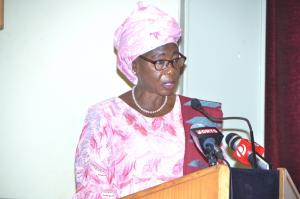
{"x": 241, "y": 150}
{"x": 244, "y": 149}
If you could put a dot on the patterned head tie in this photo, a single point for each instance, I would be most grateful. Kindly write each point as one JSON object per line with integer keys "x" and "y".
{"x": 146, "y": 28}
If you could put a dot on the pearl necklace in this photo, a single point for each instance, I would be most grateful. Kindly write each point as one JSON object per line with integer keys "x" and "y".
{"x": 144, "y": 110}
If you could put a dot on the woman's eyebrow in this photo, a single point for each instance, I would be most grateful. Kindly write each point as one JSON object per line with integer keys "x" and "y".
{"x": 155, "y": 55}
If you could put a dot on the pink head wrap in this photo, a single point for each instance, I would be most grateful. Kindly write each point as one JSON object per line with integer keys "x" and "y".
{"x": 145, "y": 29}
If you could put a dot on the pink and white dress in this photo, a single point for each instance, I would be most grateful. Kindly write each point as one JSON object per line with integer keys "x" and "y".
{"x": 121, "y": 151}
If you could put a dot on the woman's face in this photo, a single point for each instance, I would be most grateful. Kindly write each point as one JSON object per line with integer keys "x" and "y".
{"x": 162, "y": 82}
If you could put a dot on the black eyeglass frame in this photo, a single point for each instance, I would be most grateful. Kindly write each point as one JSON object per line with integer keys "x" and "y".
{"x": 155, "y": 63}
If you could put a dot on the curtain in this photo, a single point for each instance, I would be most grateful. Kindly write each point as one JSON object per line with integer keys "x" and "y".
{"x": 282, "y": 109}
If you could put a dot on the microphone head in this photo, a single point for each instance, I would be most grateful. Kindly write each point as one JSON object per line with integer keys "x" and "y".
{"x": 201, "y": 133}
{"x": 195, "y": 103}
{"x": 229, "y": 137}
{"x": 209, "y": 141}
{"x": 231, "y": 140}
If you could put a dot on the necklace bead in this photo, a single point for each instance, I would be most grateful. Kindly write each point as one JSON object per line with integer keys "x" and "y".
{"x": 144, "y": 110}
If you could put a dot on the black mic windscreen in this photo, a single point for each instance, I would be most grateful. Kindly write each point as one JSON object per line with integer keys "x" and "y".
{"x": 195, "y": 104}
{"x": 230, "y": 139}
{"x": 229, "y": 136}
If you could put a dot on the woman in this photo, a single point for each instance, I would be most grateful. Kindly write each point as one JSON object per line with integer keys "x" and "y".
{"x": 141, "y": 138}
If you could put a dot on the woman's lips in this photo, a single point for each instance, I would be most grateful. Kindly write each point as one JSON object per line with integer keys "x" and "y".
{"x": 169, "y": 85}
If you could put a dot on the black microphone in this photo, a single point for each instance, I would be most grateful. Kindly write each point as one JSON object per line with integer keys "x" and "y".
{"x": 208, "y": 140}
{"x": 195, "y": 104}
{"x": 243, "y": 153}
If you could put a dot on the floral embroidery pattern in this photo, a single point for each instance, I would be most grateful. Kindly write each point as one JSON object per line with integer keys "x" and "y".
{"x": 121, "y": 151}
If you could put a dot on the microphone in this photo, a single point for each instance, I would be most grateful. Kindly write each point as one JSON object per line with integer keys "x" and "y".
{"x": 196, "y": 105}
{"x": 208, "y": 140}
{"x": 243, "y": 152}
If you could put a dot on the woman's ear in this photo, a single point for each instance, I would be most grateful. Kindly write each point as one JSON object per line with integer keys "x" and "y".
{"x": 134, "y": 66}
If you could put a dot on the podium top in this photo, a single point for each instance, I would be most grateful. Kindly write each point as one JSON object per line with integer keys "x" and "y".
{"x": 212, "y": 182}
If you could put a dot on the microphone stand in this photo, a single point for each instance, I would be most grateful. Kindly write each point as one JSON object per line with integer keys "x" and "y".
{"x": 195, "y": 104}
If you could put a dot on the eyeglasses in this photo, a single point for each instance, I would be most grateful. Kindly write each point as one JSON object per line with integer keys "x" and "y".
{"x": 162, "y": 64}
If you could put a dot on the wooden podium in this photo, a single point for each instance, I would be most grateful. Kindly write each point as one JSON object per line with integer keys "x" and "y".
{"x": 209, "y": 183}
{"x": 287, "y": 188}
